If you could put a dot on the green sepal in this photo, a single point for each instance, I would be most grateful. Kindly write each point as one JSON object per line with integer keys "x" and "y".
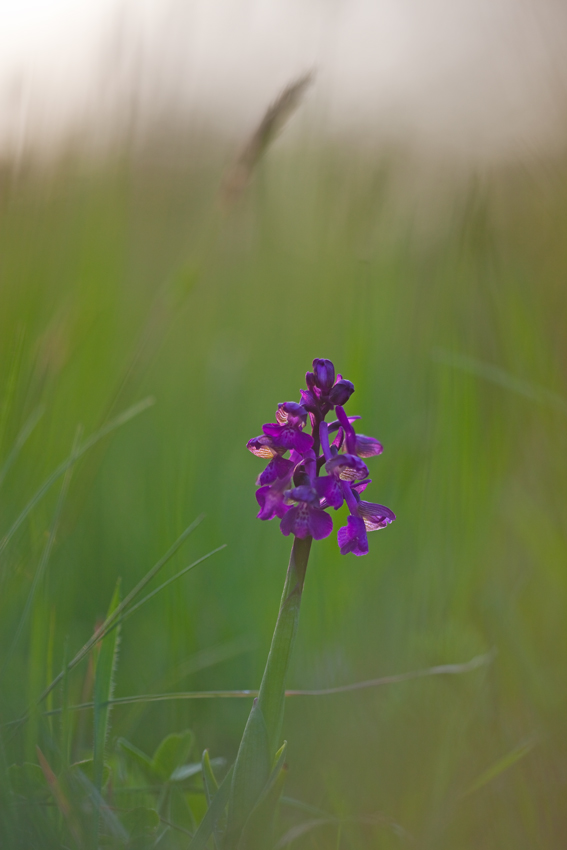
{"x": 251, "y": 772}
{"x": 213, "y": 815}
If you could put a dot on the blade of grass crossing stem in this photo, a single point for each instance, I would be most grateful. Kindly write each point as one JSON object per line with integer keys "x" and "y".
{"x": 103, "y": 689}
{"x": 251, "y": 773}
{"x": 213, "y": 814}
{"x": 271, "y": 698}
{"x": 73, "y": 458}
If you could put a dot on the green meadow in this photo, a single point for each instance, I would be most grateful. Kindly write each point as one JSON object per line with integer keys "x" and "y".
{"x": 442, "y": 296}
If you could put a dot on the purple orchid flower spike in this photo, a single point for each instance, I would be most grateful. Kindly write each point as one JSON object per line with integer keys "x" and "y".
{"x": 294, "y": 489}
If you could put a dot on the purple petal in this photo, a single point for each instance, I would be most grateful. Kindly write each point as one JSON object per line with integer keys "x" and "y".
{"x": 302, "y": 442}
{"x": 367, "y": 446}
{"x": 278, "y": 467}
{"x": 375, "y": 516}
{"x": 330, "y": 490}
{"x": 271, "y": 503}
{"x": 352, "y": 537}
{"x": 296, "y": 521}
{"x": 303, "y": 493}
{"x": 262, "y": 446}
{"x": 320, "y": 523}
{"x": 291, "y": 413}
{"x": 341, "y": 392}
{"x": 324, "y": 373}
{"x": 347, "y": 467}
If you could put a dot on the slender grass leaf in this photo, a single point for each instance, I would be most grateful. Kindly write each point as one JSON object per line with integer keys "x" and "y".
{"x": 211, "y": 787}
{"x": 45, "y": 556}
{"x": 110, "y": 621}
{"x": 213, "y": 814}
{"x": 21, "y": 439}
{"x": 251, "y": 772}
{"x": 73, "y": 458}
{"x": 103, "y": 688}
{"x": 501, "y": 765}
{"x": 209, "y": 778}
{"x": 60, "y": 797}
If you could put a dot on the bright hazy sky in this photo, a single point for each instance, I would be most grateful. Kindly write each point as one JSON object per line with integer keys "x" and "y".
{"x": 488, "y": 77}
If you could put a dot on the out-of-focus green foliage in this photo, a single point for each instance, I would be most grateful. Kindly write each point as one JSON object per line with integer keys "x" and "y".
{"x": 446, "y": 307}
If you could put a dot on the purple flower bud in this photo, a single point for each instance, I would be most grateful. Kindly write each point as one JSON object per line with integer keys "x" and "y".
{"x": 341, "y": 392}
{"x": 310, "y": 380}
{"x": 324, "y": 372}
{"x": 367, "y": 446}
{"x": 352, "y": 537}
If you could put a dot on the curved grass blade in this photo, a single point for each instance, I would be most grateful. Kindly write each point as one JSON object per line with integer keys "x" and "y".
{"x": 502, "y": 378}
{"x": 501, "y": 765}
{"x": 441, "y": 670}
{"x": 213, "y": 814}
{"x": 110, "y": 621}
{"x": 45, "y": 555}
{"x": 103, "y": 688}
{"x": 73, "y": 458}
{"x": 21, "y": 439}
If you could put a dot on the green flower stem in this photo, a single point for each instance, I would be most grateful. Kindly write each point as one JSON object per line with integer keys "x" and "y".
{"x": 271, "y": 698}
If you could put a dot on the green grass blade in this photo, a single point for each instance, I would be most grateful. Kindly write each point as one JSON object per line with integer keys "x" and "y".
{"x": 45, "y": 555}
{"x": 105, "y": 627}
{"x": 213, "y": 814}
{"x": 162, "y": 586}
{"x": 103, "y": 688}
{"x": 73, "y": 458}
{"x": 501, "y": 765}
{"x": 209, "y": 778}
{"x": 21, "y": 439}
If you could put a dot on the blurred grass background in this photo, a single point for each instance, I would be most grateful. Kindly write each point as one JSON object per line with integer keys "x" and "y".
{"x": 122, "y": 279}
